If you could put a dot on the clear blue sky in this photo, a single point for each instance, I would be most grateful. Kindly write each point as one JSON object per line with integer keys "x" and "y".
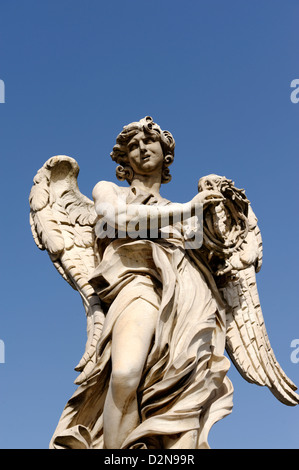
{"x": 216, "y": 74}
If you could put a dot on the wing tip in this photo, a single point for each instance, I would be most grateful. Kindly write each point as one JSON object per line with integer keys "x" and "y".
{"x": 287, "y": 396}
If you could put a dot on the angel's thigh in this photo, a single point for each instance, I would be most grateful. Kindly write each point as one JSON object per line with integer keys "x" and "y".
{"x": 131, "y": 340}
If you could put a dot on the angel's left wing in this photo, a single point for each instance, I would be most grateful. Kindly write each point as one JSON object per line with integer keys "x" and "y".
{"x": 62, "y": 222}
{"x": 233, "y": 250}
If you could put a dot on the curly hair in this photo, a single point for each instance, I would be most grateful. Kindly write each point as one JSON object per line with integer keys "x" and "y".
{"x": 119, "y": 153}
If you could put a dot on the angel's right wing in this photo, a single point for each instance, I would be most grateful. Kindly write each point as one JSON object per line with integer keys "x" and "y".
{"x": 62, "y": 222}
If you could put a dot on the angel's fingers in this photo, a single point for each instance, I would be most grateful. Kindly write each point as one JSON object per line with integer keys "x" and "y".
{"x": 214, "y": 200}
{"x": 214, "y": 194}
{"x": 211, "y": 193}
{"x": 220, "y": 272}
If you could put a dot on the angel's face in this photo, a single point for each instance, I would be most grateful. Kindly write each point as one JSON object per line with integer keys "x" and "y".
{"x": 145, "y": 154}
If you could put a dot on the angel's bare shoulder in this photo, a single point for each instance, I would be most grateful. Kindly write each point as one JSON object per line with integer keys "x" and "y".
{"x": 106, "y": 191}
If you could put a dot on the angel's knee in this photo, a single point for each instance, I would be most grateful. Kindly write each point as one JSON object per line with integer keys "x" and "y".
{"x": 124, "y": 381}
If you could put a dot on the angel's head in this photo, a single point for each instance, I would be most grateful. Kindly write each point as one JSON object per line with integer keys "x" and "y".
{"x": 145, "y": 147}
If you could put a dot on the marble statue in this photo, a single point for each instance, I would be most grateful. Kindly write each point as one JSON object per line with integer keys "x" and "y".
{"x": 166, "y": 287}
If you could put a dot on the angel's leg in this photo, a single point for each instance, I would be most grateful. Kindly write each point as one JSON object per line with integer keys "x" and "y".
{"x": 131, "y": 341}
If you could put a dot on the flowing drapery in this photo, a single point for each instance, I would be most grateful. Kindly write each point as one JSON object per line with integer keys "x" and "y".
{"x": 184, "y": 386}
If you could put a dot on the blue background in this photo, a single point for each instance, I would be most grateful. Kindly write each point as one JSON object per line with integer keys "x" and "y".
{"x": 217, "y": 75}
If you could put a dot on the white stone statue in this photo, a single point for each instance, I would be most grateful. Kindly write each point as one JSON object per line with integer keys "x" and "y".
{"x": 161, "y": 307}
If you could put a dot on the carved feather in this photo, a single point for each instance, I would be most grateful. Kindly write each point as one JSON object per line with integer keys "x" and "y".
{"x": 48, "y": 230}
{"x": 248, "y": 344}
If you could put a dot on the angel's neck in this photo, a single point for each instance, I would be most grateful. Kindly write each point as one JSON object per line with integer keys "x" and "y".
{"x": 148, "y": 184}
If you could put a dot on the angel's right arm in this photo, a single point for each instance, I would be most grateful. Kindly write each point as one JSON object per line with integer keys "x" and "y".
{"x": 111, "y": 204}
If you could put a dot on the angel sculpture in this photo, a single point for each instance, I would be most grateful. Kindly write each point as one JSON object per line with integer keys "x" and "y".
{"x": 160, "y": 312}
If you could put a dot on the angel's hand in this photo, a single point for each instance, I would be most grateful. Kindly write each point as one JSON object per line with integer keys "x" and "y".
{"x": 208, "y": 196}
{"x": 228, "y": 268}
